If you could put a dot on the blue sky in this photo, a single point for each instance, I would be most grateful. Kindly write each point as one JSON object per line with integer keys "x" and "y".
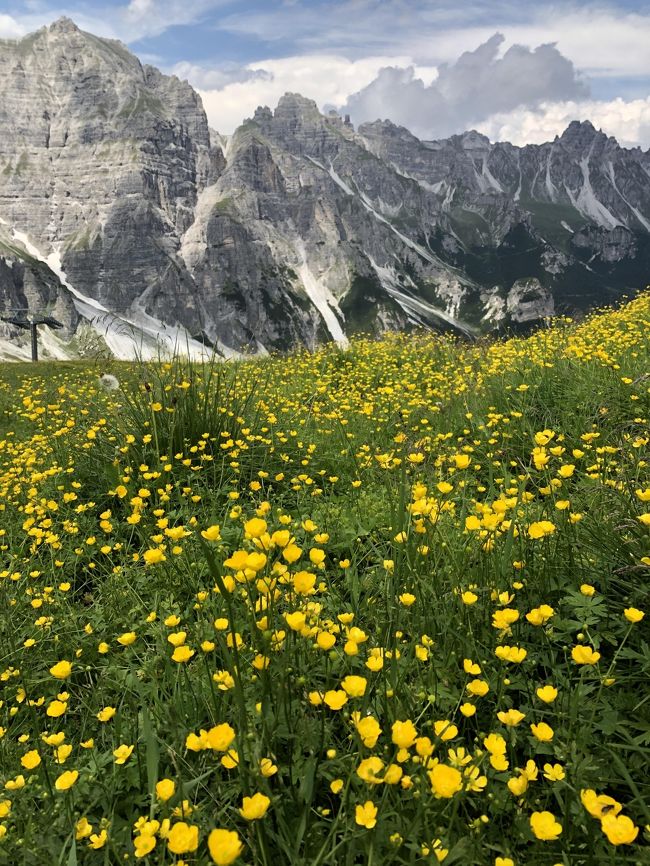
{"x": 416, "y": 61}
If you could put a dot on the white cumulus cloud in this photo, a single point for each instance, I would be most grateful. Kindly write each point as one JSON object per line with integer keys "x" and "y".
{"x": 478, "y": 84}
{"x": 10, "y": 28}
{"x": 328, "y": 79}
{"x": 218, "y": 77}
{"x": 628, "y": 121}
{"x": 129, "y": 22}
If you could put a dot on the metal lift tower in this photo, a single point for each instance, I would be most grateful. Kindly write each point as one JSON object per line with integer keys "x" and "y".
{"x": 22, "y": 319}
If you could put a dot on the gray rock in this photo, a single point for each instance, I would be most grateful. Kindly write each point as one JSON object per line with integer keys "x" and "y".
{"x": 296, "y": 229}
{"x": 529, "y": 301}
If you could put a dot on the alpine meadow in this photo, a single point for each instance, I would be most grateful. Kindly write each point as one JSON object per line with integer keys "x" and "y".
{"x": 382, "y": 604}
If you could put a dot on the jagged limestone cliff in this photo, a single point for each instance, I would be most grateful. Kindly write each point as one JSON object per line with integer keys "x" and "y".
{"x": 121, "y": 208}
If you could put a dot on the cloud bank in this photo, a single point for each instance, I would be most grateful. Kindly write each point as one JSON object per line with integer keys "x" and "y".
{"x": 478, "y": 85}
{"x": 328, "y": 79}
{"x": 627, "y": 121}
{"x": 395, "y": 58}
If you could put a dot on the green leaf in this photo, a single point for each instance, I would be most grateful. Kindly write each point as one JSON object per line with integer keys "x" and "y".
{"x": 609, "y": 722}
{"x": 152, "y": 751}
{"x": 194, "y": 783}
{"x": 72, "y": 853}
{"x": 307, "y": 782}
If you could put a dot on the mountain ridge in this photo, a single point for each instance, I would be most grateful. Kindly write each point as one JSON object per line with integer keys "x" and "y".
{"x": 297, "y": 228}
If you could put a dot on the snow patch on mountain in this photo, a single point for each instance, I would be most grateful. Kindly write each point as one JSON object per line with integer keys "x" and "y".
{"x": 127, "y": 339}
{"x": 587, "y": 202}
{"x": 322, "y": 298}
{"x": 637, "y": 213}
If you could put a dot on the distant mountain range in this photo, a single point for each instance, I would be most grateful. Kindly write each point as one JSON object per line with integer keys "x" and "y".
{"x": 125, "y": 217}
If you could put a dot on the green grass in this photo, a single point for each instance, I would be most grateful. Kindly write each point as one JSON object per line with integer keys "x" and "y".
{"x": 288, "y": 579}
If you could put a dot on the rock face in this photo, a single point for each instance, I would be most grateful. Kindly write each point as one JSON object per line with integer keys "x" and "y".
{"x": 120, "y": 207}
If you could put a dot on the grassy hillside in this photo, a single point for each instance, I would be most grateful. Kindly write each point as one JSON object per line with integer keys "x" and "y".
{"x": 374, "y": 606}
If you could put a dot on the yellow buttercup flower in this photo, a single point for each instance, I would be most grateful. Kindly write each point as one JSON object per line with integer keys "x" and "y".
{"x": 366, "y": 815}
{"x": 325, "y": 640}
{"x": 61, "y": 670}
{"x": 547, "y": 694}
{"x": 230, "y": 760}
{"x": 403, "y": 734}
{"x": 354, "y": 686}
{"x": 144, "y": 844}
{"x": 369, "y": 730}
{"x": 182, "y": 654}
{"x": 512, "y": 654}
{"x": 599, "y": 805}
{"x": 224, "y": 846}
{"x": 495, "y": 744}
{"x": 477, "y": 688}
{"x": 619, "y": 829}
{"x": 255, "y": 528}
{"x": 335, "y": 698}
{"x": 445, "y": 730}
{"x": 471, "y": 667}
{"x": 183, "y": 838}
{"x": 98, "y": 840}
{"x": 296, "y": 620}
{"x": 255, "y": 807}
{"x": 545, "y": 826}
{"x": 445, "y": 780}
{"x": 304, "y": 582}
{"x": 511, "y": 717}
{"x": 66, "y": 780}
{"x": 219, "y": 738}
{"x": 154, "y": 556}
{"x": 122, "y": 753}
{"x": 369, "y": 770}
{"x": 518, "y": 785}
{"x": 541, "y": 529}
{"x": 30, "y": 760}
{"x": 83, "y": 828}
{"x": 554, "y": 772}
{"x": 268, "y": 768}
{"x": 165, "y": 789}
{"x": 584, "y": 655}
{"x": 540, "y": 615}
{"x": 542, "y": 732}
{"x": 106, "y": 714}
{"x": 504, "y": 618}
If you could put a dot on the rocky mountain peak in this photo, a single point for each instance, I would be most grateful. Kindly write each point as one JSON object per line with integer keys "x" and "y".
{"x": 386, "y": 129}
{"x": 473, "y": 140}
{"x": 119, "y": 205}
{"x": 263, "y": 115}
{"x": 580, "y": 134}
{"x": 293, "y": 106}
{"x": 382, "y": 126}
{"x": 63, "y": 25}
{"x": 576, "y": 127}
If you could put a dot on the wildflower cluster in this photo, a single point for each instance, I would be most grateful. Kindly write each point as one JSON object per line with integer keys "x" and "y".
{"x": 388, "y": 602}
